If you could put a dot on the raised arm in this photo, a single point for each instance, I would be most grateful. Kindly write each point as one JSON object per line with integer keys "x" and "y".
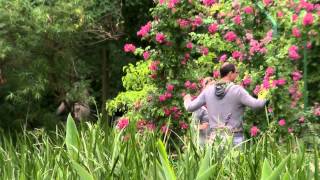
{"x": 247, "y": 100}
{"x": 195, "y": 104}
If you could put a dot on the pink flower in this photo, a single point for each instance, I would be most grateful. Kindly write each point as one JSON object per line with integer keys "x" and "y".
{"x": 309, "y": 45}
{"x": 237, "y": 55}
{"x": 316, "y": 111}
{"x": 167, "y": 111}
{"x": 162, "y": 98}
{"x": 193, "y": 86}
{"x": 267, "y": 2}
{"x": 269, "y": 71}
{"x": 249, "y": 36}
{"x": 183, "y": 125}
{"x": 164, "y": 128}
{"x": 257, "y": 89}
{"x": 174, "y": 109}
{"x": 301, "y": 119}
{"x": 197, "y": 21}
{"x": 247, "y": 81}
{"x": 223, "y": 58}
{"x": 213, "y": 28}
{"x": 254, "y": 131}
{"x": 216, "y": 74}
{"x": 161, "y": 1}
{"x": 290, "y": 130}
{"x": 266, "y": 83}
{"x": 282, "y": 122}
{"x": 293, "y": 54}
{"x": 208, "y": 2}
{"x": 123, "y": 123}
{"x": 154, "y": 65}
{"x": 140, "y": 124}
{"x": 296, "y": 32}
{"x": 129, "y": 48}
{"x": 170, "y": 87}
{"x": 296, "y": 75}
{"x": 204, "y": 51}
{"x": 151, "y": 126}
{"x": 189, "y": 45}
{"x": 187, "y": 84}
{"x": 168, "y": 95}
{"x": 294, "y": 17}
{"x": 248, "y": 10}
{"x": 172, "y": 3}
{"x": 160, "y": 38}
{"x": 270, "y": 110}
{"x": 183, "y": 23}
{"x": 281, "y": 82}
{"x": 144, "y": 30}
{"x": 280, "y": 14}
{"x": 237, "y": 19}
{"x": 146, "y": 55}
{"x": 230, "y": 36}
{"x": 308, "y": 19}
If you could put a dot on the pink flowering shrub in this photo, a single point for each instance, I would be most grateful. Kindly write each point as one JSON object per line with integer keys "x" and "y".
{"x": 189, "y": 40}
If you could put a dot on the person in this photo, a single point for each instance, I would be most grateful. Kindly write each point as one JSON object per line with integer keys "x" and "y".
{"x": 225, "y": 102}
{"x": 201, "y": 116}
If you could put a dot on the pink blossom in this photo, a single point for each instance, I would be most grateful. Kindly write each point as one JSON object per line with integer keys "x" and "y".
{"x": 296, "y": 32}
{"x": 248, "y": 10}
{"x": 193, "y": 86}
{"x": 183, "y": 23}
{"x": 213, "y": 28}
{"x": 140, "y": 124}
{"x": 223, "y": 58}
{"x": 216, "y": 74}
{"x": 164, "y": 128}
{"x": 296, "y": 75}
{"x": 129, "y": 48}
{"x": 153, "y": 76}
{"x": 174, "y": 109}
{"x": 230, "y": 36}
{"x": 247, "y": 81}
{"x": 254, "y": 131}
{"x": 282, "y": 122}
{"x": 267, "y": 2}
{"x": 162, "y": 98}
{"x": 237, "y": 55}
{"x": 144, "y": 30}
{"x": 160, "y": 38}
{"x": 270, "y": 110}
{"x": 161, "y": 1}
{"x": 146, "y": 55}
{"x": 266, "y": 83}
{"x": 290, "y": 130}
{"x": 154, "y": 65}
{"x": 249, "y": 36}
{"x": 280, "y": 14}
{"x": 183, "y": 125}
{"x": 316, "y": 111}
{"x": 306, "y": 5}
{"x": 150, "y": 126}
{"x": 308, "y": 19}
{"x": 187, "y": 84}
{"x": 237, "y": 19}
{"x": 208, "y": 2}
{"x": 168, "y": 95}
{"x": 123, "y": 123}
{"x": 294, "y": 17}
{"x": 170, "y": 87}
{"x": 293, "y": 54}
{"x": 167, "y": 111}
{"x": 189, "y": 45}
{"x": 257, "y": 89}
{"x": 309, "y": 45}
{"x": 204, "y": 51}
{"x": 172, "y": 3}
{"x": 301, "y": 119}
{"x": 197, "y": 21}
{"x": 281, "y": 82}
{"x": 270, "y": 71}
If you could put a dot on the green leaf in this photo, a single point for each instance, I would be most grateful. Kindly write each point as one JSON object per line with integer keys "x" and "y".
{"x": 278, "y": 170}
{"x": 167, "y": 169}
{"x": 82, "y": 172}
{"x": 266, "y": 169}
{"x": 72, "y": 138}
{"x": 206, "y": 175}
{"x": 205, "y": 163}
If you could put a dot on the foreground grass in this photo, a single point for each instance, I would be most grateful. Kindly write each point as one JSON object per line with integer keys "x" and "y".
{"x": 98, "y": 152}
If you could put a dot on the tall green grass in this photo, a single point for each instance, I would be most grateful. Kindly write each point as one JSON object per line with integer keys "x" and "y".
{"x": 95, "y": 151}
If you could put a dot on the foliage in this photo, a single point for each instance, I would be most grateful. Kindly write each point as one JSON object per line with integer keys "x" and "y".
{"x": 95, "y": 151}
{"x": 189, "y": 40}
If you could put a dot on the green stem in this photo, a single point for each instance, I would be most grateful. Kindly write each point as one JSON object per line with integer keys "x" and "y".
{"x": 305, "y": 76}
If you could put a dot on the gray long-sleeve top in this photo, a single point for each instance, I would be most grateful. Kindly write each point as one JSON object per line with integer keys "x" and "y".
{"x": 228, "y": 110}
